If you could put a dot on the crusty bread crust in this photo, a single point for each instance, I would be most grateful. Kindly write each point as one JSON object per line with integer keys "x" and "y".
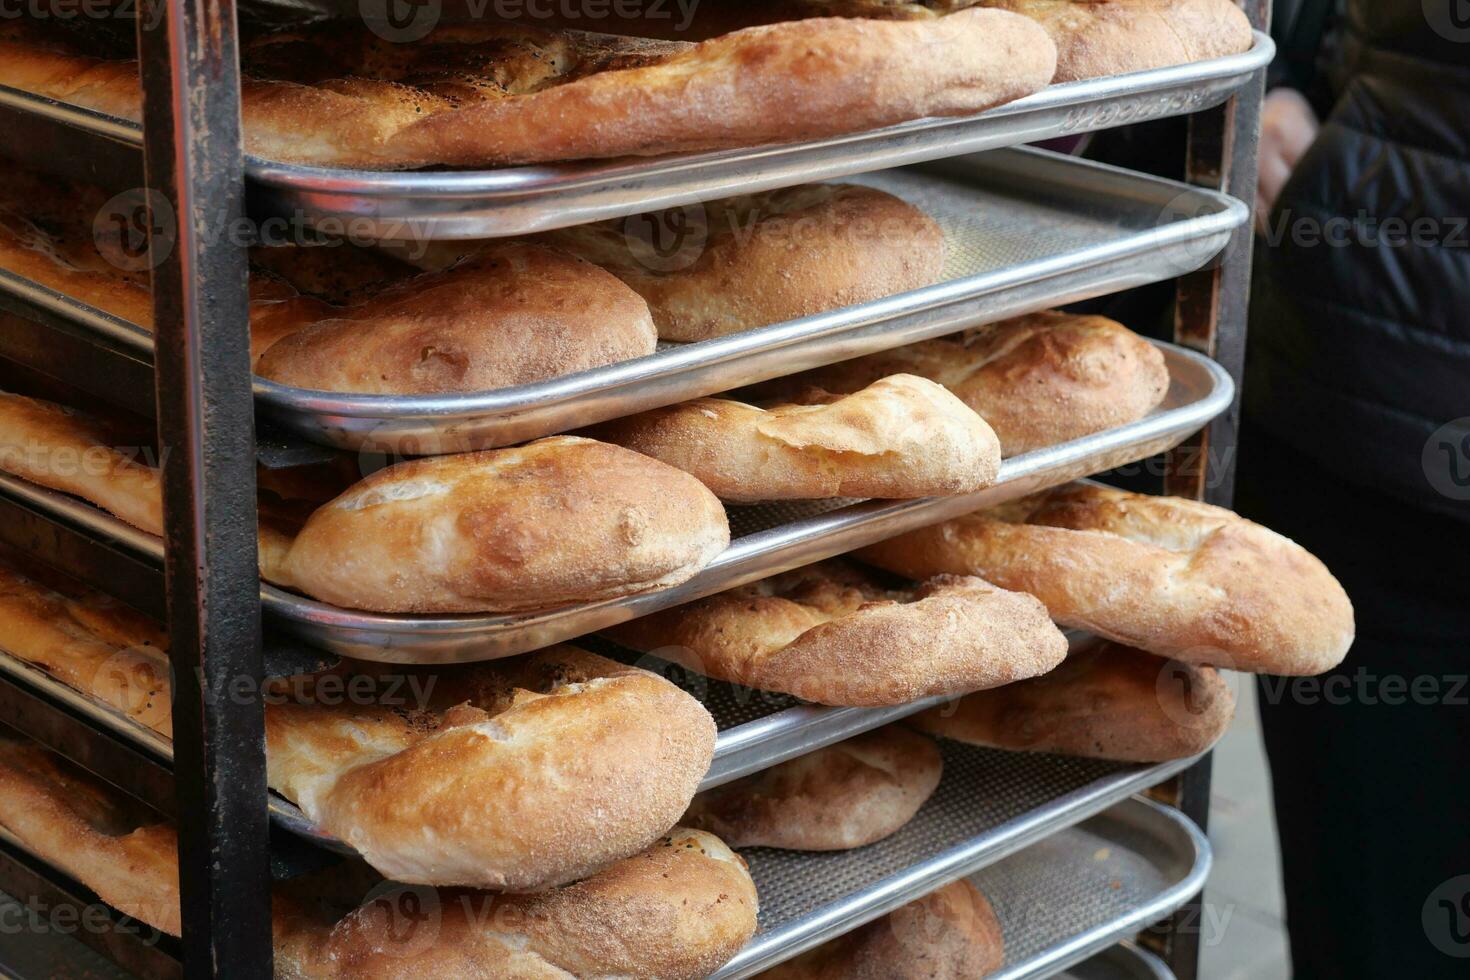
{"x": 1106, "y": 701}
{"x": 901, "y": 436}
{"x": 757, "y": 259}
{"x": 1109, "y": 37}
{"x": 556, "y": 521}
{"x": 830, "y": 634}
{"x": 91, "y": 643}
{"x": 1038, "y": 380}
{"x": 120, "y": 850}
{"x": 839, "y": 797}
{"x": 675, "y": 911}
{"x": 516, "y": 313}
{"x": 1174, "y": 577}
{"x": 64, "y": 450}
{"x": 484, "y": 94}
{"x": 458, "y": 793}
{"x": 949, "y": 934}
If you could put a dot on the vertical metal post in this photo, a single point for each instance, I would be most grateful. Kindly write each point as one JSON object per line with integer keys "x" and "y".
{"x": 1211, "y": 316}
{"x": 194, "y": 166}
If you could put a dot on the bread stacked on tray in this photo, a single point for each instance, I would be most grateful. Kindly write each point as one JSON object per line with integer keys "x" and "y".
{"x": 677, "y": 909}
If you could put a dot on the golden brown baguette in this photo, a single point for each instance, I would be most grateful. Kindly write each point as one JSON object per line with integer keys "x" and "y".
{"x": 1174, "y": 577}
{"x": 839, "y": 797}
{"x": 488, "y": 93}
{"x": 1106, "y": 701}
{"x": 832, "y": 634}
{"x": 1038, "y": 380}
{"x": 949, "y": 934}
{"x": 119, "y": 849}
{"x": 556, "y": 521}
{"x": 899, "y": 437}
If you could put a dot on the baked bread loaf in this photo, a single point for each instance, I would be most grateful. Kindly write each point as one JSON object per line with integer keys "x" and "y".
{"x": 757, "y": 259}
{"x": 949, "y": 934}
{"x": 678, "y": 909}
{"x": 833, "y": 634}
{"x": 70, "y": 451}
{"x": 1038, "y": 380}
{"x": 1174, "y": 577}
{"x": 845, "y": 795}
{"x": 901, "y": 436}
{"x": 557, "y": 521}
{"x": 1106, "y": 701}
{"x": 436, "y": 776}
{"x": 490, "y": 93}
{"x": 517, "y": 312}
{"x": 458, "y": 791}
{"x": 119, "y": 849}
{"x": 1093, "y": 37}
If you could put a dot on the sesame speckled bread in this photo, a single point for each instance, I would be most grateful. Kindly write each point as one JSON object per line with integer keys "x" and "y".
{"x": 1174, "y": 577}
{"x": 556, "y": 521}
{"x": 615, "y": 753}
{"x": 832, "y": 634}
{"x": 492, "y": 93}
{"x": 845, "y": 795}
{"x": 676, "y": 911}
{"x": 56, "y": 447}
{"x": 336, "y": 317}
{"x": 1107, "y": 701}
{"x": 1037, "y": 380}
{"x": 901, "y": 436}
{"x": 118, "y": 848}
{"x": 758, "y": 259}
{"x": 949, "y": 934}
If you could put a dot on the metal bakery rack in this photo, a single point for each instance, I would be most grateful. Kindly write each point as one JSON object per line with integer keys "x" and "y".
{"x": 1073, "y": 859}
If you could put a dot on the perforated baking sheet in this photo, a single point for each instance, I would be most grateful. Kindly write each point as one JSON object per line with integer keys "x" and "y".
{"x": 989, "y": 805}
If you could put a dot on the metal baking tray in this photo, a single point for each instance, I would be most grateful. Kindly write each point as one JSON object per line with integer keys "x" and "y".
{"x": 1125, "y": 961}
{"x": 519, "y": 200}
{"x": 1025, "y": 229}
{"x": 767, "y": 539}
{"x": 989, "y": 805}
{"x": 1078, "y": 893}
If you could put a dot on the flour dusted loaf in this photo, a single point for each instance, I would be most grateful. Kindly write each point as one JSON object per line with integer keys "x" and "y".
{"x": 1174, "y": 577}
{"x": 842, "y": 796}
{"x": 678, "y": 909}
{"x": 949, "y": 934}
{"x": 118, "y": 848}
{"x": 901, "y": 436}
{"x": 833, "y": 634}
{"x": 1106, "y": 701}
{"x": 339, "y": 94}
{"x": 336, "y": 317}
{"x": 1038, "y": 380}
{"x": 556, "y": 521}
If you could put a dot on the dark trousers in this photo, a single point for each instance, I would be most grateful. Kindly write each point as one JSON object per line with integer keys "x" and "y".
{"x": 1370, "y": 765}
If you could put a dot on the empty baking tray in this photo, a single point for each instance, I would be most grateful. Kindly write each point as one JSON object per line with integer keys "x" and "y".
{"x": 518, "y": 200}
{"x": 767, "y": 539}
{"x": 1055, "y": 900}
{"x": 1024, "y": 229}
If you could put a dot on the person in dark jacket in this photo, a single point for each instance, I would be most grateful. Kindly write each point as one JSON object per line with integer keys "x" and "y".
{"x": 1357, "y": 445}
